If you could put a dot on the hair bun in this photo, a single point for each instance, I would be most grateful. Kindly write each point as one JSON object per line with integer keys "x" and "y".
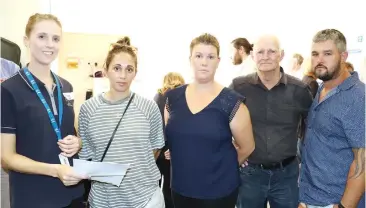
{"x": 124, "y": 41}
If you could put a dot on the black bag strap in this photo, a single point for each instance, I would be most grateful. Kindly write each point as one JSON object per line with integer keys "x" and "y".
{"x": 115, "y": 130}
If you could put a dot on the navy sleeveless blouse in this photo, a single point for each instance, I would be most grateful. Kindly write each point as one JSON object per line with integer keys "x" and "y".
{"x": 203, "y": 158}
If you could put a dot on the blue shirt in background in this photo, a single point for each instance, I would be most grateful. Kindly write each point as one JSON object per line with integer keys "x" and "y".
{"x": 335, "y": 126}
{"x": 8, "y": 69}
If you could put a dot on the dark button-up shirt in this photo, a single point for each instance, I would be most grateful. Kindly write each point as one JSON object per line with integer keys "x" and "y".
{"x": 336, "y": 125}
{"x": 275, "y": 115}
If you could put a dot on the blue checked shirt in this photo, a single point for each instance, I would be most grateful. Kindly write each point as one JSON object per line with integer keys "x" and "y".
{"x": 335, "y": 126}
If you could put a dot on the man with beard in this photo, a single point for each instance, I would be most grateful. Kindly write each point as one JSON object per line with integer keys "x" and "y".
{"x": 333, "y": 154}
{"x": 276, "y": 102}
{"x": 243, "y": 63}
{"x": 240, "y": 50}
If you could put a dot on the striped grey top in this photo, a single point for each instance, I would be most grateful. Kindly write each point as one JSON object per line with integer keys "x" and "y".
{"x": 140, "y": 132}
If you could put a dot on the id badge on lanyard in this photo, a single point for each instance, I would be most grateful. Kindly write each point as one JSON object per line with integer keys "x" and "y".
{"x": 56, "y": 126}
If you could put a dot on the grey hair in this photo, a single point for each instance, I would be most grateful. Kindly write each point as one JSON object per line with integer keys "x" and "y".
{"x": 271, "y": 37}
{"x": 332, "y": 34}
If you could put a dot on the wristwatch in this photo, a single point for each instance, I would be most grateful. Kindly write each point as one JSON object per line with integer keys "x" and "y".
{"x": 340, "y": 205}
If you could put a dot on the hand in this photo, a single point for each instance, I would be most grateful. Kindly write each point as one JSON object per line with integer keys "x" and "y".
{"x": 237, "y": 148}
{"x": 302, "y": 205}
{"x": 245, "y": 164}
{"x": 70, "y": 145}
{"x": 335, "y": 206}
{"x": 167, "y": 155}
{"x": 67, "y": 175}
{"x": 235, "y": 145}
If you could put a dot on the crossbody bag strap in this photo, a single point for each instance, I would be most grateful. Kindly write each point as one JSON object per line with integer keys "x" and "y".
{"x": 115, "y": 130}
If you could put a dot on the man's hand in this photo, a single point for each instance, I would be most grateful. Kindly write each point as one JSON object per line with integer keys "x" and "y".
{"x": 67, "y": 175}
{"x": 70, "y": 145}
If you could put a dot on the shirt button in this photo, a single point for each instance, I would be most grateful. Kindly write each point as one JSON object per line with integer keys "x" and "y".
{"x": 268, "y": 138}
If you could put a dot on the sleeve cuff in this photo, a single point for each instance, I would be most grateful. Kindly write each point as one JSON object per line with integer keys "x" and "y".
{"x": 158, "y": 145}
{"x": 8, "y": 130}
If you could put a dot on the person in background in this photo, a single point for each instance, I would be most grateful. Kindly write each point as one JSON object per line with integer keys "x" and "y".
{"x": 242, "y": 62}
{"x": 171, "y": 81}
{"x": 133, "y": 127}
{"x": 349, "y": 66}
{"x": 296, "y": 69}
{"x": 333, "y": 154}
{"x": 38, "y": 141}
{"x": 201, "y": 120}
{"x": 241, "y": 49}
{"x": 277, "y": 102}
{"x": 310, "y": 79}
{"x": 8, "y": 69}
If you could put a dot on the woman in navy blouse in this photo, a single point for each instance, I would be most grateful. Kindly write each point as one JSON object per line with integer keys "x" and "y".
{"x": 201, "y": 120}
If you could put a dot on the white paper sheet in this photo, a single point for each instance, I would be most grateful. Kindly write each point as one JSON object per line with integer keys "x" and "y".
{"x": 106, "y": 172}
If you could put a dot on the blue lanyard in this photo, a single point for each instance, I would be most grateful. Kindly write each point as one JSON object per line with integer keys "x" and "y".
{"x": 56, "y": 127}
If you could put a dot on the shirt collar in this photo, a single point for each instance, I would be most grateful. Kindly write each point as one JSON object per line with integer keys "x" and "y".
{"x": 349, "y": 82}
{"x": 39, "y": 82}
{"x": 255, "y": 78}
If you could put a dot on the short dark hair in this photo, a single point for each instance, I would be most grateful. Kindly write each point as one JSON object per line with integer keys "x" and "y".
{"x": 243, "y": 42}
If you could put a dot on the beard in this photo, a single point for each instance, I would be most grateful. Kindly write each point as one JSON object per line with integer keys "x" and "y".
{"x": 328, "y": 74}
{"x": 237, "y": 60}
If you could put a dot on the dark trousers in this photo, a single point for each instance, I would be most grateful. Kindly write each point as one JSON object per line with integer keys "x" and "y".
{"x": 186, "y": 202}
{"x": 278, "y": 186}
{"x": 164, "y": 167}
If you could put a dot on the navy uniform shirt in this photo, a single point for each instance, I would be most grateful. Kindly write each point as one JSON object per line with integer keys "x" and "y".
{"x": 23, "y": 114}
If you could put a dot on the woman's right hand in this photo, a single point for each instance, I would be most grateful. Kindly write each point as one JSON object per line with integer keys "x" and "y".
{"x": 68, "y": 176}
{"x": 167, "y": 155}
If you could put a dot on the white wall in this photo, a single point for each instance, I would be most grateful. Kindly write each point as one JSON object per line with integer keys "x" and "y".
{"x": 162, "y": 29}
{"x": 14, "y": 15}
